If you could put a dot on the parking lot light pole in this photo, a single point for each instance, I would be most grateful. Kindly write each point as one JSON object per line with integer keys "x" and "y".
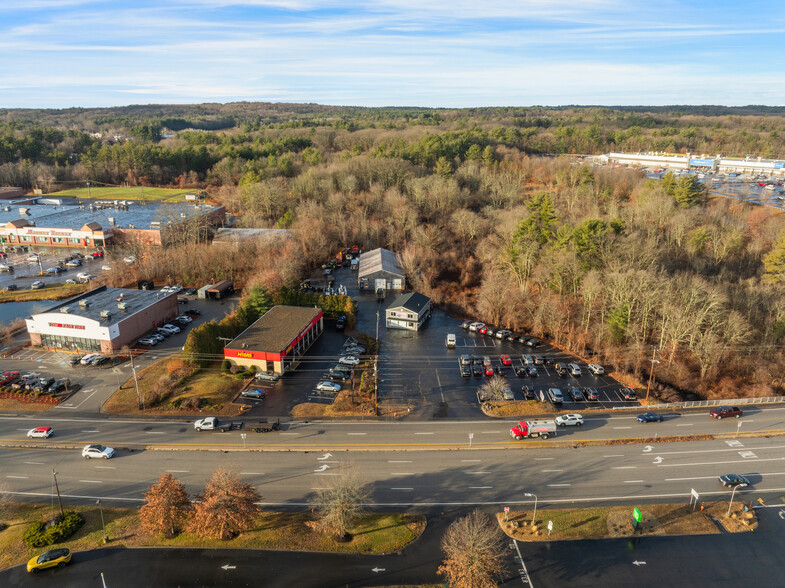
{"x": 103, "y": 524}
{"x": 534, "y": 515}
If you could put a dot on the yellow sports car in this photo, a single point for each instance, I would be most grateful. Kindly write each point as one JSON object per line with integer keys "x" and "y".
{"x": 50, "y": 559}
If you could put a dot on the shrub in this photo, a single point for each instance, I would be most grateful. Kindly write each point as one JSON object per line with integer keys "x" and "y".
{"x": 38, "y": 535}
{"x": 226, "y": 366}
{"x": 191, "y": 403}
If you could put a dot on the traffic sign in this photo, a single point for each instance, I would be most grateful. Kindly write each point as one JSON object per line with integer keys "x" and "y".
{"x": 506, "y": 509}
{"x": 550, "y": 527}
{"x": 637, "y": 514}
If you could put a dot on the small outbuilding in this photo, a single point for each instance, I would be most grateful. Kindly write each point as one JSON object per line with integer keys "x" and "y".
{"x": 220, "y": 290}
{"x": 409, "y": 312}
{"x": 277, "y": 340}
{"x": 381, "y": 269}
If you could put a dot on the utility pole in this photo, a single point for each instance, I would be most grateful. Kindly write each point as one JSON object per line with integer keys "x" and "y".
{"x": 88, "y": 188}
{"x": 376, "y": 370}
{"x": 57, "y": 489}
{"x": 651, "y": 373}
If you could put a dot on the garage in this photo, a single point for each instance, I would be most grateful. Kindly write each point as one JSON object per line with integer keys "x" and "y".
{"x": 381, "y": 269}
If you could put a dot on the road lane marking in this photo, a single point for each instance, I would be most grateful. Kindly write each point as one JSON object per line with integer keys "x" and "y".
{"x": 539, "y": 458}
{"x": 686, "y": 425}
{"x": 356, "y": 433}
{"x": 93, "y": 431}
{"x": 35, "y": 463}
{"x": 558, "y": 485}
{"x": 622, "y": 427}
{"x": 105, "y": 468}
{"x": 18, "y": 477}
{"x": 253, "y": 474}
{"x": 633, "y": 481}
{"x": 685, "y": 479}
{"x": 399, "y": 461}
{"x": 178, "y": 471}
{"x": 429, "y": 433}
{"x": 288, "y": 433}
{"x": 552, "y": 470}
{"x": 671, "y": 465}
{"x": 489, "y": 432}
{"x": 615, "y": 455}
{"x": 401, "y": 488}
{"x": 92, "y": 481}
{"x": 479, "y": 487}
{"x": 623, "y": 467}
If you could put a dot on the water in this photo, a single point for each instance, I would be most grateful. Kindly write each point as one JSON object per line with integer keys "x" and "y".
{"x": 11, "y": 311}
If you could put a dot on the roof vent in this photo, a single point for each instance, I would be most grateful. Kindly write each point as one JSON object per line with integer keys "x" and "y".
{"x": 105, "y": 314}
{"x": 111, "y": 221}
{"x": 122, "y": 305}
{"x": 65, "y": 309}
{"x": 84, "y": 303}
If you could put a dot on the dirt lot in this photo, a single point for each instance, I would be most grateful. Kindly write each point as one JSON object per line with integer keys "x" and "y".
{"x": 616, "y": 521}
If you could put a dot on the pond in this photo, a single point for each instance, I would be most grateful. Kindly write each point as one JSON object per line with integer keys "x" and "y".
{"x": 11, "y": 311}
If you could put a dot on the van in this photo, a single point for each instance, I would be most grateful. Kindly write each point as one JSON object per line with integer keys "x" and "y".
{"x": 355, "y": 265}
{"x": 450, "y": 340}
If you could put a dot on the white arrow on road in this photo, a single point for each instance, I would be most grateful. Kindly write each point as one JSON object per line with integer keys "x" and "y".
{"x": 377, "y": 570}
{"x": 782, "y": 514}
{"x": 647, "y": 449}
{"x": 658, "y": 459}
{"x": 227, "y": 567}
{"x": 325, "y": 456}
{"x": 639, "y": 563}
{"x": 321, "y": 468}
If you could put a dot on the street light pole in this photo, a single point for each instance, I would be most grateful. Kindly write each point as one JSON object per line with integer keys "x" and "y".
{"x": 534, "y": 515}
{"x": 651, "y": 373}
{"x": 103, "y": 524}
{"x": 732, "y": 494}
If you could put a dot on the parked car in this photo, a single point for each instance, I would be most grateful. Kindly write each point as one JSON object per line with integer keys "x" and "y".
{"x": 88, "y": 358}
{"x": 474, "y": 327}
{"x": 60, "y": 385}
{"x": 171, "y": 328}
{"x": 574, "y": 369}
{"x": 466, "y": 371}
{"x": 477, "y": 370}
{"x": 486, "y": 360}
{"x": 32, "y": 258}
{"x": 650, "y": 417}
{"x": 512, "y": 338}
{"x": 254, "y": 394}
{"x": 502, "y": 333}
{"x": 95, "y": 450}
{"x": 465, "y": 360}
{"x": 572, "y": 420}
{"x": 723, "y": 412}
{"x": 325, "y": 386}
{"x": 555, "y": 396}
{"x": 40, "y": 433}
{"x": 500, "y": 371}
{"x": 489, "y": 370}
{"x": 533, "y": 342}
{"x": 527, "y": 359}
{"x": 338, "y": 376}
{"x": 193, "y": 312}
{"x": 149, "y": 341}
{"x": 532, "y": 371}
{"x": 560, "y": 369}
{"x": 520, "y": 370}
{"x": 340, "y": 324}
{"x": 349, "y": 360}
{"x": 465, "y": 324}
{"x": 591, "y": 393}
{"x": 54, "y": 270}
{"x": 538, "y": 360}
{"x": 628, "y": 394}
{"x": 37, "y": 285}
{"x": 505, "y": 359}
{"x": 528, "y": 392}
{"x": 100, "y": 360}
{"x": 734, "y": 480}
{"x": 595, "y": 369}
{"x": 266, "y": 377}
{"x": 508, "y": 394}
{"x": 158, "y": 336}
{"x": 55, "y": 558}
{"x": 73, "y": 263}
{"x": 576, "y": 394}
{"x": 11, "y": 288}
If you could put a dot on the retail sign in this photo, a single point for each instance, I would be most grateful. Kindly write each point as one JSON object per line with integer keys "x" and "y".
{"x": 64, "y": 326}
{"x": 245, "y": 354}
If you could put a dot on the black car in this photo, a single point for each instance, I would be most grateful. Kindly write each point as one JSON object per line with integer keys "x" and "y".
{"x": 576, "y": 394}
{"x": 466, "y": 371}
{"x": 499, "y": 371}
{"x": 628, "y": 394}
{"x": 465, "y": 324}
{"x": 60, "y": 385}
{"x": 547, "y": 361}
{"x": 650, "y": 417}
{"x": 340, "y": 324}
{"x": 591, "y": 393}
{"x": 733, "y": 480}
{"x": 338, "y": 376}
{"x": 528, "y": 392}
{"x": 75, "y": 360}
{"x": 100, "y": 360}
{"x": 533, "y": 342}
{"x": 193, "y": 311}
{"x": 539, "y": 360}
{"x": 11, "y": 287}
{"x": 512, "y": 338}
{"x": 477, "y": 370}
{"x": 341, "y": 369}
{"x": 190, "y": 291}
{"x": 561, "y": 370}
{"x": 532, "y": 371}
{"x": 520, "y": 370}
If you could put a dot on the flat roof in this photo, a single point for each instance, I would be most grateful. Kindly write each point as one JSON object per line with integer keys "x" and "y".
{"x": 104, "y": 298}
{"x": 275, "y": 329}
{"x": 74, "y": 215}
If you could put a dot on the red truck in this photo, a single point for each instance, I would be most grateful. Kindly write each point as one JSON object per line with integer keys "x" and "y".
{"x": 541, "y": 428}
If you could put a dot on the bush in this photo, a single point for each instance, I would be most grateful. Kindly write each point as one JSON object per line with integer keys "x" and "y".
{"x": 226, "y": 366}
{"x": 37, "y": 535}
{"x": 191, "y": 403}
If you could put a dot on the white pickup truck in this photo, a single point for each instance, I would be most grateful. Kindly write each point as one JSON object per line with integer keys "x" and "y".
{"x": 213, "y": 424}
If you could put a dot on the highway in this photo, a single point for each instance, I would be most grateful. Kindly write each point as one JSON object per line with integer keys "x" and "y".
{"x": 398, "y": 479}
{"x": 370, "y": 435}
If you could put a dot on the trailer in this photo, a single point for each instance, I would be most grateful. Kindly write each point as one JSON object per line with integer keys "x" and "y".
{"x": 540, "y": 428}
{"x": 213, "y": 424}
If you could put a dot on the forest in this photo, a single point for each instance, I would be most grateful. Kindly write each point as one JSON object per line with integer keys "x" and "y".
{"x": 493, "y": 215}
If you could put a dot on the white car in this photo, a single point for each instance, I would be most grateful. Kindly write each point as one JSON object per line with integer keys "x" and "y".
{"x": 88, "y": 358}
{"x": 33, "y": 258}
{"x": 574, "y": 420}
{"x": 349, "y": 360}
{"x": 129, "y": 259}
{"x": 508, "y": 394}
{"x": 170, "y": 328}
{"x": 82, "y": 276}
{"x": 91, "y": 451}
{"x": 185, "y": 318}
{"x": 476, "y": 326}
{"x": 597, "y": 370}
{"x": 106, "y": 268}
{"x": 574, "y": 369}
{"x": 40, "y": 432}
{"x": 328, "y": 387}
{"x": 149, "y": 341}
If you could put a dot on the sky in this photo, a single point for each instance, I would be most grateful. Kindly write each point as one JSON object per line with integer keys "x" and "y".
{"x": 457, "y": 53}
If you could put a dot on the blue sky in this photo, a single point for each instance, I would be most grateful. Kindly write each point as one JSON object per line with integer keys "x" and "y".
{"x": 61, "y": 53}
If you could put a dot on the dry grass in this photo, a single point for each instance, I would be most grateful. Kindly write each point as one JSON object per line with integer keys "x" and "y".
{"x": 46, "y": 293}
{"x": 130, "y": 193}
{"x": 11, "y": 404}
{"x": 215, "y": 389}
{"x": 518, "y": 408}
{"x": 343, "y": 405}
{"x": 616, "y": 521}
{"x": 375, "y": 533}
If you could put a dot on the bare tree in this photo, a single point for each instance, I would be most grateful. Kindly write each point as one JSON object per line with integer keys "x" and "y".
{"x": 493, "y": 389}
{"x": 226, "y": 508}
{"x": 474, "y": 549}
{"x": 166, "y": 508}
{"x": 341, "y": 502}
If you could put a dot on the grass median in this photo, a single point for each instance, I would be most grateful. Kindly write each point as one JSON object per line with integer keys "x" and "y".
{"x": 374, "y": 533}
{"x": 617, "y": 521}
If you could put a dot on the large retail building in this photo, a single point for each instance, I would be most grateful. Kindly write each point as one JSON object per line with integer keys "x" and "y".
{"x": 277, "y": 340}
{"x": 101, "y": 320}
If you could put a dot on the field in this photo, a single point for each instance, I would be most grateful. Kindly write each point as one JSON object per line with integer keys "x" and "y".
{"x": 131, "y": 193}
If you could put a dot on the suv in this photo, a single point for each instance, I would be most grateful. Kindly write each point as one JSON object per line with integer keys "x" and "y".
{"x": 575, "y": 420}
{"x": 555, "y": 396}
{"x": 503, "y": 333}
{"x": 628, "y": 394}
{"x": 574, "y": 369}
{"x": 265, "y": 377}
{"x": 595, "y": 369}
{"x": 561, "y": 369}
{"x": 722, "y": 412}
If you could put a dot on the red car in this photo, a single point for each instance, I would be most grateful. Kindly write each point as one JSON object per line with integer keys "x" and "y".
{"x": 722, "y": 412}
{"x": 8, "y": 377}
{"x": 761, "y": 183}
{"x": 505, "y": 359}
{"x": 488, "y": 370}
